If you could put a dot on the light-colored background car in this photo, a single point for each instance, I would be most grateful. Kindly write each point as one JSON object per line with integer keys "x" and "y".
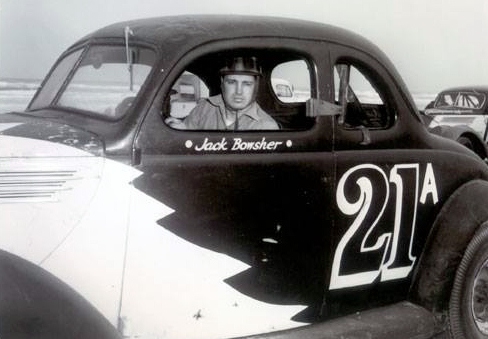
{"x": 465, "y": 110}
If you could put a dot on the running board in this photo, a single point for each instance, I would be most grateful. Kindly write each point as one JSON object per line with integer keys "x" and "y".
{"x": 400, "y": 321}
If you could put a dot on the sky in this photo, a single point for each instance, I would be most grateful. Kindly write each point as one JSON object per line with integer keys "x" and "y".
{"x": 434, "y": 44}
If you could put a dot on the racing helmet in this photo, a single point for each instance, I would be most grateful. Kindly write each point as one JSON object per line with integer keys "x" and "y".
{"x": 241, "y": 65}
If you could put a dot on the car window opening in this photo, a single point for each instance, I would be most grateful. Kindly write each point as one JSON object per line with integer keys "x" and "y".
{"x": 362, "y": 103}
{"x": 282, "y": 90}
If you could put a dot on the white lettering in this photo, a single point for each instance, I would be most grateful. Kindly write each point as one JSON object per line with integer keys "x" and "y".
{"x": 240, "y": 145}
{"x": 371, "y": 231}
{"x": 237, "y": 145}
{"x": 429, "y": 186}
{"x": 212, "y": 146}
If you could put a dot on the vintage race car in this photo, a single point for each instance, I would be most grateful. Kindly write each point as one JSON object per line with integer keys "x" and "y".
{"x": 461, "y": 113}
{"x": 350, "y": 219}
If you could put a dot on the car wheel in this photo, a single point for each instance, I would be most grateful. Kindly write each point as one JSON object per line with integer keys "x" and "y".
{"x": 468, "y": 307}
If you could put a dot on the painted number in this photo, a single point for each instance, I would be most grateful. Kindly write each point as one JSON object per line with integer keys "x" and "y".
{"x": 367, "y": 251}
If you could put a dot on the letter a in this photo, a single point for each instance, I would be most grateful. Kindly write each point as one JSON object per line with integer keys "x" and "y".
{"x": 429, "y": 186}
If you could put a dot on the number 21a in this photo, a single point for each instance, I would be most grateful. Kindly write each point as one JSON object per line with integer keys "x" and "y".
{"x": 388, "y": 255}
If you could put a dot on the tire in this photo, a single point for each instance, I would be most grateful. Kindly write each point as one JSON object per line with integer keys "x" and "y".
{"x": 468, "y": 306}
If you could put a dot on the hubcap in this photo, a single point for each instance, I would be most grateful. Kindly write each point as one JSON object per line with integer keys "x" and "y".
{"x": 480, "y": 299}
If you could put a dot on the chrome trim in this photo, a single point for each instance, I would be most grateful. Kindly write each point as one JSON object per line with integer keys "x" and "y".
{"x": 34, "y": 186}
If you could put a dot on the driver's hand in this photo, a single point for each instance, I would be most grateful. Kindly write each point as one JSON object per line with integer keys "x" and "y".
{"x": 174, "y": 123}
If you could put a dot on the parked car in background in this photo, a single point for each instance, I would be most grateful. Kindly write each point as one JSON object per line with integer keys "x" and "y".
{"x": 350, "y": 219}
{"x": 461, "y": 113}
{"x": 283, "y": 89}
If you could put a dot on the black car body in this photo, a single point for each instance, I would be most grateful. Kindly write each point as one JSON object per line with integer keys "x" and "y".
{"x": 352, "y": 206}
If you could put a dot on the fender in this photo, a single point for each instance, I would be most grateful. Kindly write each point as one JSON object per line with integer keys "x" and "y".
{"x": 34, "y": 303}
{"x": 459, "y": 132}
{"x": 451, "y": 132}
{"x": 460, "y": 217}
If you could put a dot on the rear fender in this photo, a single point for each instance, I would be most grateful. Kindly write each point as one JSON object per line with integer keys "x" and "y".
{"x": 464, "y": 212}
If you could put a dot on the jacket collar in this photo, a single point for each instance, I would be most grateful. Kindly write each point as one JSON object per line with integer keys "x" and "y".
{"x": 251, "y": 111}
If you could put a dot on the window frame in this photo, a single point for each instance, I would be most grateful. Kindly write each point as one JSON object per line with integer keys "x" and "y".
{"x": 281, "y": 110}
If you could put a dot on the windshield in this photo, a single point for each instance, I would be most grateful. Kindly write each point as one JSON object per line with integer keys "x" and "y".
{"x": 104, "y": 82}
{"x": 474, "y": 100}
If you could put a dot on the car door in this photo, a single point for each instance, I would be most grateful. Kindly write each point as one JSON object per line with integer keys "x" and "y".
{"x": 260, "y": 198}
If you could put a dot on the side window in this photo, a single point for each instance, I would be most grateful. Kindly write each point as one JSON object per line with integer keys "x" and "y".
{"x": 363, "y": 105}
{"x": 242, "y": 89}
{"x": 471, "y": 100}
{"x": 446, "y": 99}
{"x": 291, "y": 81}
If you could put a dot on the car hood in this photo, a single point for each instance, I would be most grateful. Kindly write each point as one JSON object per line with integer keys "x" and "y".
{"x": 24, "y": 135}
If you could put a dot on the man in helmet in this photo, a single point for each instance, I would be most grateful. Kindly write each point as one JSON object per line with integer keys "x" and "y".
{"x": 236, "y": 108}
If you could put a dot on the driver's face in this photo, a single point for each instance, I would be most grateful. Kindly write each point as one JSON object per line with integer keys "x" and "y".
{"x": 238, "y": 90}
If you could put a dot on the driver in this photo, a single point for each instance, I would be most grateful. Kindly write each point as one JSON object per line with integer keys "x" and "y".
{"x": 236, "y": 107}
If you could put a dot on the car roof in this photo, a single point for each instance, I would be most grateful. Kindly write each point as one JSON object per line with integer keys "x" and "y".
{"x": 475, "y": 88}
{"x": 209, "y": 27}
{"x": 176, "y": 36}
{"x": 179, "y": 34}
